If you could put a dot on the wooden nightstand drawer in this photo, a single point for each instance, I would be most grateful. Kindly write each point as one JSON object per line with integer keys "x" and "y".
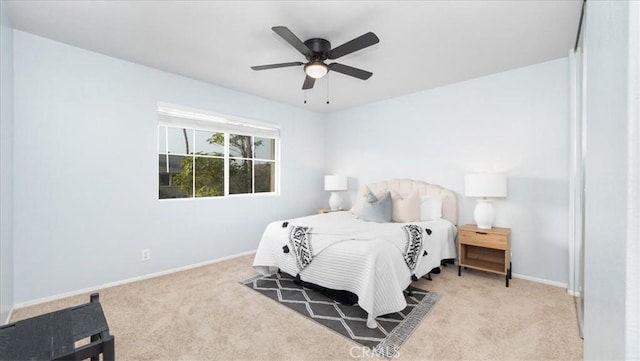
{"x": 487, "y": 240}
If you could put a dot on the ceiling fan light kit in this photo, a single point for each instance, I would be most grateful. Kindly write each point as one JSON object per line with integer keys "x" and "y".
{"x": 316, "y": 69}
{"x": 317, "y": 50}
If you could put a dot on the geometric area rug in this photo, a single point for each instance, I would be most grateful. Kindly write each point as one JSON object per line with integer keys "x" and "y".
{"x": 350, "y": 321}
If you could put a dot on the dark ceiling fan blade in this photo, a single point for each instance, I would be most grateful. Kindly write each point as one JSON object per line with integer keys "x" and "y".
{"x": 273, "y": 66}
{"x": 292, "y": 39}
{"x": 351, "y": 71}
{"x": 308, "y": 83}
{"x": 356, "y": 44}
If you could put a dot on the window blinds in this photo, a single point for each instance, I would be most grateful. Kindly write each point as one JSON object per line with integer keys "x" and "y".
{"x": 178, "y": 117}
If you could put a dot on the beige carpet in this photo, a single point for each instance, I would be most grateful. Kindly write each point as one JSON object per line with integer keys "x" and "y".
{"x": 205, "y": 314}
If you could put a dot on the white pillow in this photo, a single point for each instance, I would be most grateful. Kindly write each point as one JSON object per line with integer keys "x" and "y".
{"x": 405, "y": 209}
{"x": 430, "y": 208}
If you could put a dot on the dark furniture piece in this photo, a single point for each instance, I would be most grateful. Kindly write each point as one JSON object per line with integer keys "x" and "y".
{"x": 53, "y": 336}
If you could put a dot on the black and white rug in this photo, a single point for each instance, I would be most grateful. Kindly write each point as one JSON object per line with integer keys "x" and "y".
{"x": 350, "y": 321}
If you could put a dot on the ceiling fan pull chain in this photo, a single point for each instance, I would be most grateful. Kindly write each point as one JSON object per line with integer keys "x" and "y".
{"x": 327, "y": 88}
{"x": 305, "y": 97}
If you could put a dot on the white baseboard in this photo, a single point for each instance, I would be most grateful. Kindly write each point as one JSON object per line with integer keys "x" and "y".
{"x": 196, "y": 265}
{"x": 573, "y": 293}
{"x": 540, "y": 280}
{"x": 8, "y": 316}
{"x": 125, "y": 281}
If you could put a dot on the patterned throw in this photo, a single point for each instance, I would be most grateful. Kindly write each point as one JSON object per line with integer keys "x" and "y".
{"x": 301, "y": 245}
{"x": 414, "y": 245}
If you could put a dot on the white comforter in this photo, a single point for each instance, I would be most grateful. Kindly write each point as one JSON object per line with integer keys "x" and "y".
{"x": 367, "y": 259}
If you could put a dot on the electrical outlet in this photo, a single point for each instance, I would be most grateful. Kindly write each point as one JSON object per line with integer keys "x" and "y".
{"x": 146, "y": 254}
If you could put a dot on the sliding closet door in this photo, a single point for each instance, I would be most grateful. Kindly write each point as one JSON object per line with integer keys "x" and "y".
{"x": 577, "y": 189}
{"x": 580, "y": 190}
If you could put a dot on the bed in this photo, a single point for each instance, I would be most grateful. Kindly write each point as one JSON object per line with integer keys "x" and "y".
{"x": 374, "y": 260}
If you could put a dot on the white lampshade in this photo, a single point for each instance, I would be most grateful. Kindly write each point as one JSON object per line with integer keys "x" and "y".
{"x": 485, "y": 185}
{"x": 335, "y": 183}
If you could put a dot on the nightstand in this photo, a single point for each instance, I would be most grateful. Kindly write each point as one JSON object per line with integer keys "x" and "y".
{"x": 326, "y": 210}
{"x": 485, "y": 249}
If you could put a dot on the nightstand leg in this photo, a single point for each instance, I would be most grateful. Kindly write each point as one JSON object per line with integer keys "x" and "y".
{"x": 459, "y": 268}
{"x": 510, "y": 267}
{"x": 506, "y": 277}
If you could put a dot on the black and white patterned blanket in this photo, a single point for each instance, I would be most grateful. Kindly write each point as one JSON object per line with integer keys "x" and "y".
{"x": 413, "y": 247}
{"x": 302, "y": 248}
{"x": 300, "y": 241}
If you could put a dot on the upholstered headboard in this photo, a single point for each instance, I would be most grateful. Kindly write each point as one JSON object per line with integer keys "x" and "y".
{"x": 407, "y": 186}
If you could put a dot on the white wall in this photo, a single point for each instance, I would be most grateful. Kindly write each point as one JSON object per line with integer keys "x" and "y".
{"x": 514, "y": 122}
{"x": 86, "y": 171}
{"x": 633, "y": 186}
{"x": 6, "y": 164}
{"x": 606, "y": 44}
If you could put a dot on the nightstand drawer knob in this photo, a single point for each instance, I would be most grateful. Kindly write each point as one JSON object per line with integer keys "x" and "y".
{"x": 481, "y": 232}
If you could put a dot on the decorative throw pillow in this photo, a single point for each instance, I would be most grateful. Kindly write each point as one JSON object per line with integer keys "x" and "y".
{"x": 406, "y": 208}
{"x": 376, "y": 210}
{"x": 430, "y": 208}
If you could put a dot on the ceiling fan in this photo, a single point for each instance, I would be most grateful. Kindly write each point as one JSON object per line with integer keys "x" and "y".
{"x": 317, "y": 51}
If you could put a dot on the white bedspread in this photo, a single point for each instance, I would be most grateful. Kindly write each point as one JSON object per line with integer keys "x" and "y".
{"x": 368, "y": 259}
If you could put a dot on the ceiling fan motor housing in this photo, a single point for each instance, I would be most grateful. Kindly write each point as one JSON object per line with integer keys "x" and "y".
{"x": 319, "y": 47}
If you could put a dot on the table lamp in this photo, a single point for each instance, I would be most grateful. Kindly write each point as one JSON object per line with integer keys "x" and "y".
{"x": 485, "y": 185}
{"x": 335, "y": 184}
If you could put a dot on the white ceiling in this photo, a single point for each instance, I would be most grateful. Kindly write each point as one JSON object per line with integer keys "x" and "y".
{"x": 422, "y": 44}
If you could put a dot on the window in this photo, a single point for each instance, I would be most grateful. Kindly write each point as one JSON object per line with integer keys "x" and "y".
{"x": 203, "y": 155}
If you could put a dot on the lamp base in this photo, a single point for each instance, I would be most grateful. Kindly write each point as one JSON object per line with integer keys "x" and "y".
{"x": 484, "y": 214}
{"x": 335, "y": 201}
